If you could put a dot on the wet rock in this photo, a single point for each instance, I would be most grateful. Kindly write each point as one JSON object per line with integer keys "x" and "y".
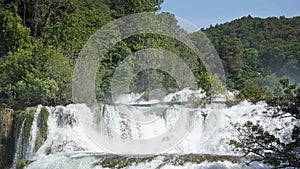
{"x": 6, "y": 137}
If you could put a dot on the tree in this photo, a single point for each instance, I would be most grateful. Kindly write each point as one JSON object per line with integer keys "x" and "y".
{"x": 229, "y": 49}
{"x": 253, "y": 92}
{"x": 13, "y": 34}
{"x": 72, "y": 27}
{"x": 36, "y": 75}
{"x": 251, "y": 63}
{"x": 37, "y": 14}
{"x": 266, "y": 145}
{"x": 275, "y": 39}
{"x": 126, "y": 7}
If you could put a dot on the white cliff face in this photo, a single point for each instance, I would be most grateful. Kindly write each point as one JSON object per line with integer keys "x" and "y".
{"x": 209, "y": 132}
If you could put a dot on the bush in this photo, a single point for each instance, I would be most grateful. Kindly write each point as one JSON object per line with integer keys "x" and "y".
{"x": 253, "y": 92}
{"x": 266, "y": 145}
{"x": 36, "y": 75}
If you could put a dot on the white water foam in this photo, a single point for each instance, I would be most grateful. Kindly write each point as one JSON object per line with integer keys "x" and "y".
{"x": 33, "y": 135}
{"x": 18, "y": 145}
{"x": 209, "y": 133}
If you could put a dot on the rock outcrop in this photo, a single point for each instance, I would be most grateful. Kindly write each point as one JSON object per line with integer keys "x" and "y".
{"x": 6, "y": 137}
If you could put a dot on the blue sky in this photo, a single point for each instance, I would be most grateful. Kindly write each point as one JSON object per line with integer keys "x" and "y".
{"x": 204, "y": 13}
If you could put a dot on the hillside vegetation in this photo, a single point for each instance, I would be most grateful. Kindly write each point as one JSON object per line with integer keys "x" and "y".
{"x": 40, "y": 42}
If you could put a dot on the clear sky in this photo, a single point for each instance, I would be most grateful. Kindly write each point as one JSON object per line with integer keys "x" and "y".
{"x": 204, "y": 13}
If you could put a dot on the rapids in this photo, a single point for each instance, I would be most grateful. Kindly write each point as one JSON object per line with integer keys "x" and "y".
{"x": 68, "y": 145}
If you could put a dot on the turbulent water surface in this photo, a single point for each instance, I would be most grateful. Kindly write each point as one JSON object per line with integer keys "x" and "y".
{"x": 205, "y": 145}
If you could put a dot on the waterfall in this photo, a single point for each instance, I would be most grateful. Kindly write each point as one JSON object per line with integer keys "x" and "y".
{"x": 33, "y": 135}
{"x": 69, "y": 145}
{"x": 18, "y": 145}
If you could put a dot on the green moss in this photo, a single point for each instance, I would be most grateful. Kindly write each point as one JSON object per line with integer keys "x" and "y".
{"x": 23, "y": 163}
{"x": 43, "y": 126}
{"x": 121, "y": 162}
{"x": 29, "y": 115}
{"x": 118, "y": 162}
{"x": 7, "y": 148}
{"x": 76, "y": 148}
{"x": 199, "y": 158}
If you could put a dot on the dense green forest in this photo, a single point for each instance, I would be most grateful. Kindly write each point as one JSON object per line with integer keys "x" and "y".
{"x": 40, "y": 42}
{"x": 254, "y": 47}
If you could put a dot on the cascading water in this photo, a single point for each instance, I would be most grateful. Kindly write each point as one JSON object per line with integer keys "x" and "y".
{"x": 18, "y": 145}
{"x": 210, "y": 129}
{"x": 166, "y": 161}
{"x": 33, "y": 135}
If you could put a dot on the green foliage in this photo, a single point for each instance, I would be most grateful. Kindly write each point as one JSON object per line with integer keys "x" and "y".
{"x": 251, "y": 49}
{"x": 204, "y": 83}
{"x": 229, "y": 49}
{"x": 149, "y": 79}
{"x": 43, "y": 126}
{"x": 107, "y": 67}
{"x": 28, "y": 114}
{"x": 269, "y": 46}
{"x": 13, "y": 34}
{"x": 253, "y": 92}
{"x": 74, "y": 26}
{"x": 254, "y": 139}
{"x": 252, "y": 66}
{"x": 38, "y": 68}
{"x": 62, "y": 27}
{"x": 36, "y": 75}
{"x": 254, "y": 89}
{"x": 123, "y": 8}
{"x": 286, "y": 99}
{"x": 283, "y": 58}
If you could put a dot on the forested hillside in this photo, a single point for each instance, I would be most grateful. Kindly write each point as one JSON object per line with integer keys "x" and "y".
{"x": 255, "y": 48}
{"x": 40, "y": 41}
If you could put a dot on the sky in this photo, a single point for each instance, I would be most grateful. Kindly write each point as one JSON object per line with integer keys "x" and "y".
{"x": 203, "y": 13}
